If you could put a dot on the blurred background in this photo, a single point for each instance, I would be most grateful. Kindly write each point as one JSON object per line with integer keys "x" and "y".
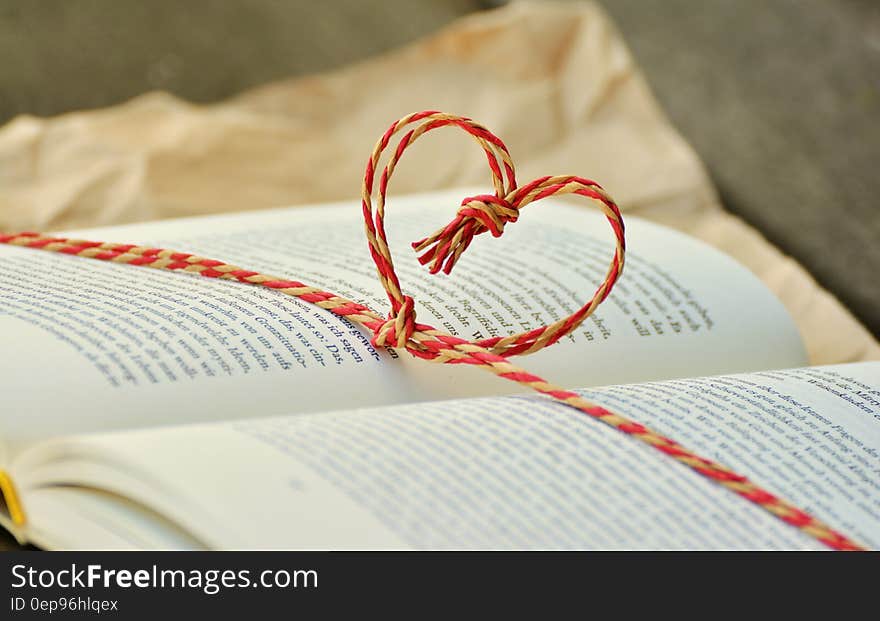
{"x": 781, "y": 98}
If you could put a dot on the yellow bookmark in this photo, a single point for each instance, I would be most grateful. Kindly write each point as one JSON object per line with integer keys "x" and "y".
{"x": 10, "y": 496}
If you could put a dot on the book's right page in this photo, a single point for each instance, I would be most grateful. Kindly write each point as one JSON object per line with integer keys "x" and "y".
{"x": 512, "y": 472}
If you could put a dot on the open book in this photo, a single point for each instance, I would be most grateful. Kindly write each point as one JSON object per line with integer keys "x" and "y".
{"x": 151, "y": 409}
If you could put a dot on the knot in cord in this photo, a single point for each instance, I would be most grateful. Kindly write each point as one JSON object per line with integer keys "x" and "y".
{"x": 398, "y": 328}
{"x": 478, "y": 214}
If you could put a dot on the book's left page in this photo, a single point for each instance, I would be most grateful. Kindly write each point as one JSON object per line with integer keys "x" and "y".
{"x": 96, "y": 346}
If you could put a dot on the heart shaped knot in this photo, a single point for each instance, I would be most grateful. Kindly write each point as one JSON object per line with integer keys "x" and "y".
{"x": 478, "y": 214}
{"x": 441, "y": 250}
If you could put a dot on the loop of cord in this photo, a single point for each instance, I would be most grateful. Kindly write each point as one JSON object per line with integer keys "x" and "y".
{"x": 442, "y": 250}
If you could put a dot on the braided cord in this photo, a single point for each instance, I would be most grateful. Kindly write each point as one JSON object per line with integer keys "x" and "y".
{"x": 442, "y": 250}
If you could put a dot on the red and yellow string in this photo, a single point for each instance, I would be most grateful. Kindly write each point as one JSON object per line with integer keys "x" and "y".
{"x": 440, "y": 251}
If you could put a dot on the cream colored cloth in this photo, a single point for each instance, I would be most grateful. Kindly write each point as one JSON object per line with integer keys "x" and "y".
{"x": 554, "y": 81}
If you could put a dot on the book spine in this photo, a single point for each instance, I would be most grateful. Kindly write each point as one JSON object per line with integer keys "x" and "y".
{"x": 10, "y": 497}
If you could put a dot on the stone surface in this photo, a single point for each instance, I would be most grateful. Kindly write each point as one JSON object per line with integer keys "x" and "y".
{"x": 781, "y": 99}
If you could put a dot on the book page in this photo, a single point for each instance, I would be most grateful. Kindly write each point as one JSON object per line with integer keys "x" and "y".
{"x": 513, "y": 472}
{"x": 90, "y": 345}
